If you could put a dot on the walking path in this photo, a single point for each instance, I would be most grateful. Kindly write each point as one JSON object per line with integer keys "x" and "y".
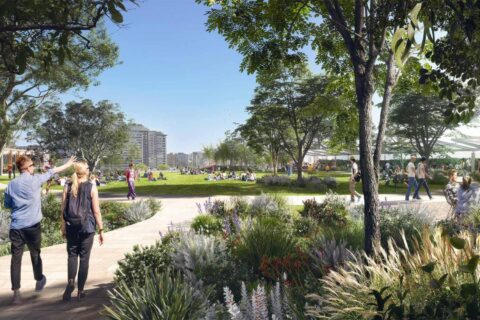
{"x": 103, "y": 263}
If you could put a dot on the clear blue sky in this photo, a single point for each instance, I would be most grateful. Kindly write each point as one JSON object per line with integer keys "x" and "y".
{"x": 175, "y": 76}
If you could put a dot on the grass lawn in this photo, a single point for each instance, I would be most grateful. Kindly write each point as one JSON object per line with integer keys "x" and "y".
{"x": 196, "y": 185}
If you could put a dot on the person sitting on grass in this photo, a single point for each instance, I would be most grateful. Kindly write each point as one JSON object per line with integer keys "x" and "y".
{"x": 467, "y": 197}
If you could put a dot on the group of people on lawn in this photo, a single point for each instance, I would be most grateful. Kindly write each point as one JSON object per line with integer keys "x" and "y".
{"x": 249, "y": 175}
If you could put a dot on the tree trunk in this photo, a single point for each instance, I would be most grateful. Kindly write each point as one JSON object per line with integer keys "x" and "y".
{"x": 390, "y": 82}
{"x": 369, "y": 182}
{"x": 274, "y": 163}
{"x": 299, "y": 166}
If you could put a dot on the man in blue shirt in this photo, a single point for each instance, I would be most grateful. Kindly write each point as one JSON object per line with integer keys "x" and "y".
{"x": 23, "y": 196}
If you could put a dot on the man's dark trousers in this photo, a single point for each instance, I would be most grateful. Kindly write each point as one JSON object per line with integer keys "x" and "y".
{"x": 32, "y": 237}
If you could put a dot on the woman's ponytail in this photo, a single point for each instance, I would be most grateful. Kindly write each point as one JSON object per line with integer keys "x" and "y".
{"x": 74, "y": 180}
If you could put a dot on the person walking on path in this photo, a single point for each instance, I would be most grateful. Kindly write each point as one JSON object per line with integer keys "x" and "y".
{"x": 23, "y": 197}
{"x": 353, "y": 180}
{"x": 422, "y": 179}
{"x": 130, "y": 177}
{"x": 452, "y": 187}
{"x": 80, "y": 217}
{"x": 412, "y": 182}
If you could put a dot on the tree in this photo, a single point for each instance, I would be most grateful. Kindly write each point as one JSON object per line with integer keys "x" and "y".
{"x": 301, "y": 111}
{"x": 420, "y": 119}
{"x": 41, "y": 31}
{"x": 271, "y": 33}
{"x": 48, "y": 47}
{"x": 84, "y": 129}
{"x": 209, "y": 153}
{"x": 262, "y": 133}
{"x": 21, "y": 94}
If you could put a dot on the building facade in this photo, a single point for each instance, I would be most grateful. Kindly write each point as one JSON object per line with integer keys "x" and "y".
{"x": 145, "y": 146}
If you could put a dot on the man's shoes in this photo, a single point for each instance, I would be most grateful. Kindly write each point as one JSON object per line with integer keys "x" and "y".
{"x": 17, "y": 297}
{"x": 41, "y": 284}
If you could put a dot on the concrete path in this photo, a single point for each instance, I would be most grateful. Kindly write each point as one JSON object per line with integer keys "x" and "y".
{"x": 103, "y": 263}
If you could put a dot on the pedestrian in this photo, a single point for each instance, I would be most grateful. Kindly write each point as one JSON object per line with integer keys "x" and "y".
{"x": 354, "y": 178}
{"x": 422, "y": 179}
{"x": 80, "y": 217}
{"x": 9, "y": 169}
{"x": 411, "y": 173}
{"x": 23, "y": 197}
{"x": 130, "y": 177}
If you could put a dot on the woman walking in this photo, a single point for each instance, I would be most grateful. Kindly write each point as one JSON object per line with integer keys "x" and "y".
{"x": 130, "y": 177}
{"x": 422, "y": 179}
{"x": 80, "y": 217}
{"x": 353, "y": 181}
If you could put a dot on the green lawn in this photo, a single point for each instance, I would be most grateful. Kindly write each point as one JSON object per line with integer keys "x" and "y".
{"x": 196, "y": 185}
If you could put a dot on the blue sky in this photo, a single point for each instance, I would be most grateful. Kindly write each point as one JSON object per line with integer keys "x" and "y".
{"x": 175, "y": 76}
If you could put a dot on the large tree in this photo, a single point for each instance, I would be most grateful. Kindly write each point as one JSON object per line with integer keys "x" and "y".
{"x": 262, "y": 133}
{"x": 275, "y": 32}
{"x": 301, "y": 108}
{"x": 89, "y": 131}
{"x": 48, "y": 47}
{"x": 419, "y": 119}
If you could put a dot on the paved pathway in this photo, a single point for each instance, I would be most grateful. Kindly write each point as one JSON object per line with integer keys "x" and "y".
{"x": 48, "y": 304}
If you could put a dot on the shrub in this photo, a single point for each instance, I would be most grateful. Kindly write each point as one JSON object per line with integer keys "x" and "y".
{"x": 331, "y": 212}
{"x": 327, "y": 255}
{"x": 154, "y": 205}
{"x": 353, "y": 234}
{"x": 5, "y": 249}
{"x": 51, "y": 208}
{"x": 206, "y": 224}
{"x": 4, "y": 224}
{"x": 270, "y": 205}
{"x": 136, "y": 265}
{"x": 433, "y": 280}
{"x": 270, "y": 180}
{"x": 305, "y": 226}
{"x": 113, "y": 214}
{"x": 164, "y": 296}
{"x": 239, "y": 205}
{"x": 138, "y": 211}
{"x": 330, "y": 182}
{"x": 439, "y": 177}
{"x": 205, "y": 262}
{"x": 257, "y": 305}
{"x": 267, "y": 238}
{"x": 407, "y": 218}
{"x": 217, "y": 208}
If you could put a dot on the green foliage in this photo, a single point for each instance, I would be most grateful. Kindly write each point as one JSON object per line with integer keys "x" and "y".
{"x": 206, "y": 263}
{"x": 51, "y": 208}
{"x": 435, "y": 279}
{"x": 138, "y": 211}
{"x": 440, "y": 178}
{"x": 353, "y": 234}
{"x": 164, "y": 296}
{"x": 59, "y": 132}
{"x": 206, "y": 224}
{"x": 270, "y": 204}
{"x": 305, "y": 227}
{"x": 403, "y": 222}
{"x": 331, "y": 212}
{"x": 113, "y": 214}
{"x": 428, "y": 117}
{"x": 4, "y": 249}
{"x": 135, "y": 267}
{"x": 268, "y": 237}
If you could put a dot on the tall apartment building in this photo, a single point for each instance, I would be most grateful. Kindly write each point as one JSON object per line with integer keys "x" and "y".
{"x": 149, "y": 146}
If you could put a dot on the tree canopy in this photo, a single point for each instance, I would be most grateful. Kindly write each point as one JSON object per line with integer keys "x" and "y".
{"x": 81, "y": 128}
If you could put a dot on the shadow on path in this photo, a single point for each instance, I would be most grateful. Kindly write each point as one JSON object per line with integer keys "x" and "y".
{"x": 51, "y": 307}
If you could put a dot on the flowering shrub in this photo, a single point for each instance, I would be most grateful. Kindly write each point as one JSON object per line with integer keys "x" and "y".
{"x": 258, "y": 306}
{"x": 138, "y": 211}
{"x": 217, "y": 208}
{"x": 331, "y": 212}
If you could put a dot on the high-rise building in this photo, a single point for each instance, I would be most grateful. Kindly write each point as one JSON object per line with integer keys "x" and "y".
{"x": 145, "y": 146}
